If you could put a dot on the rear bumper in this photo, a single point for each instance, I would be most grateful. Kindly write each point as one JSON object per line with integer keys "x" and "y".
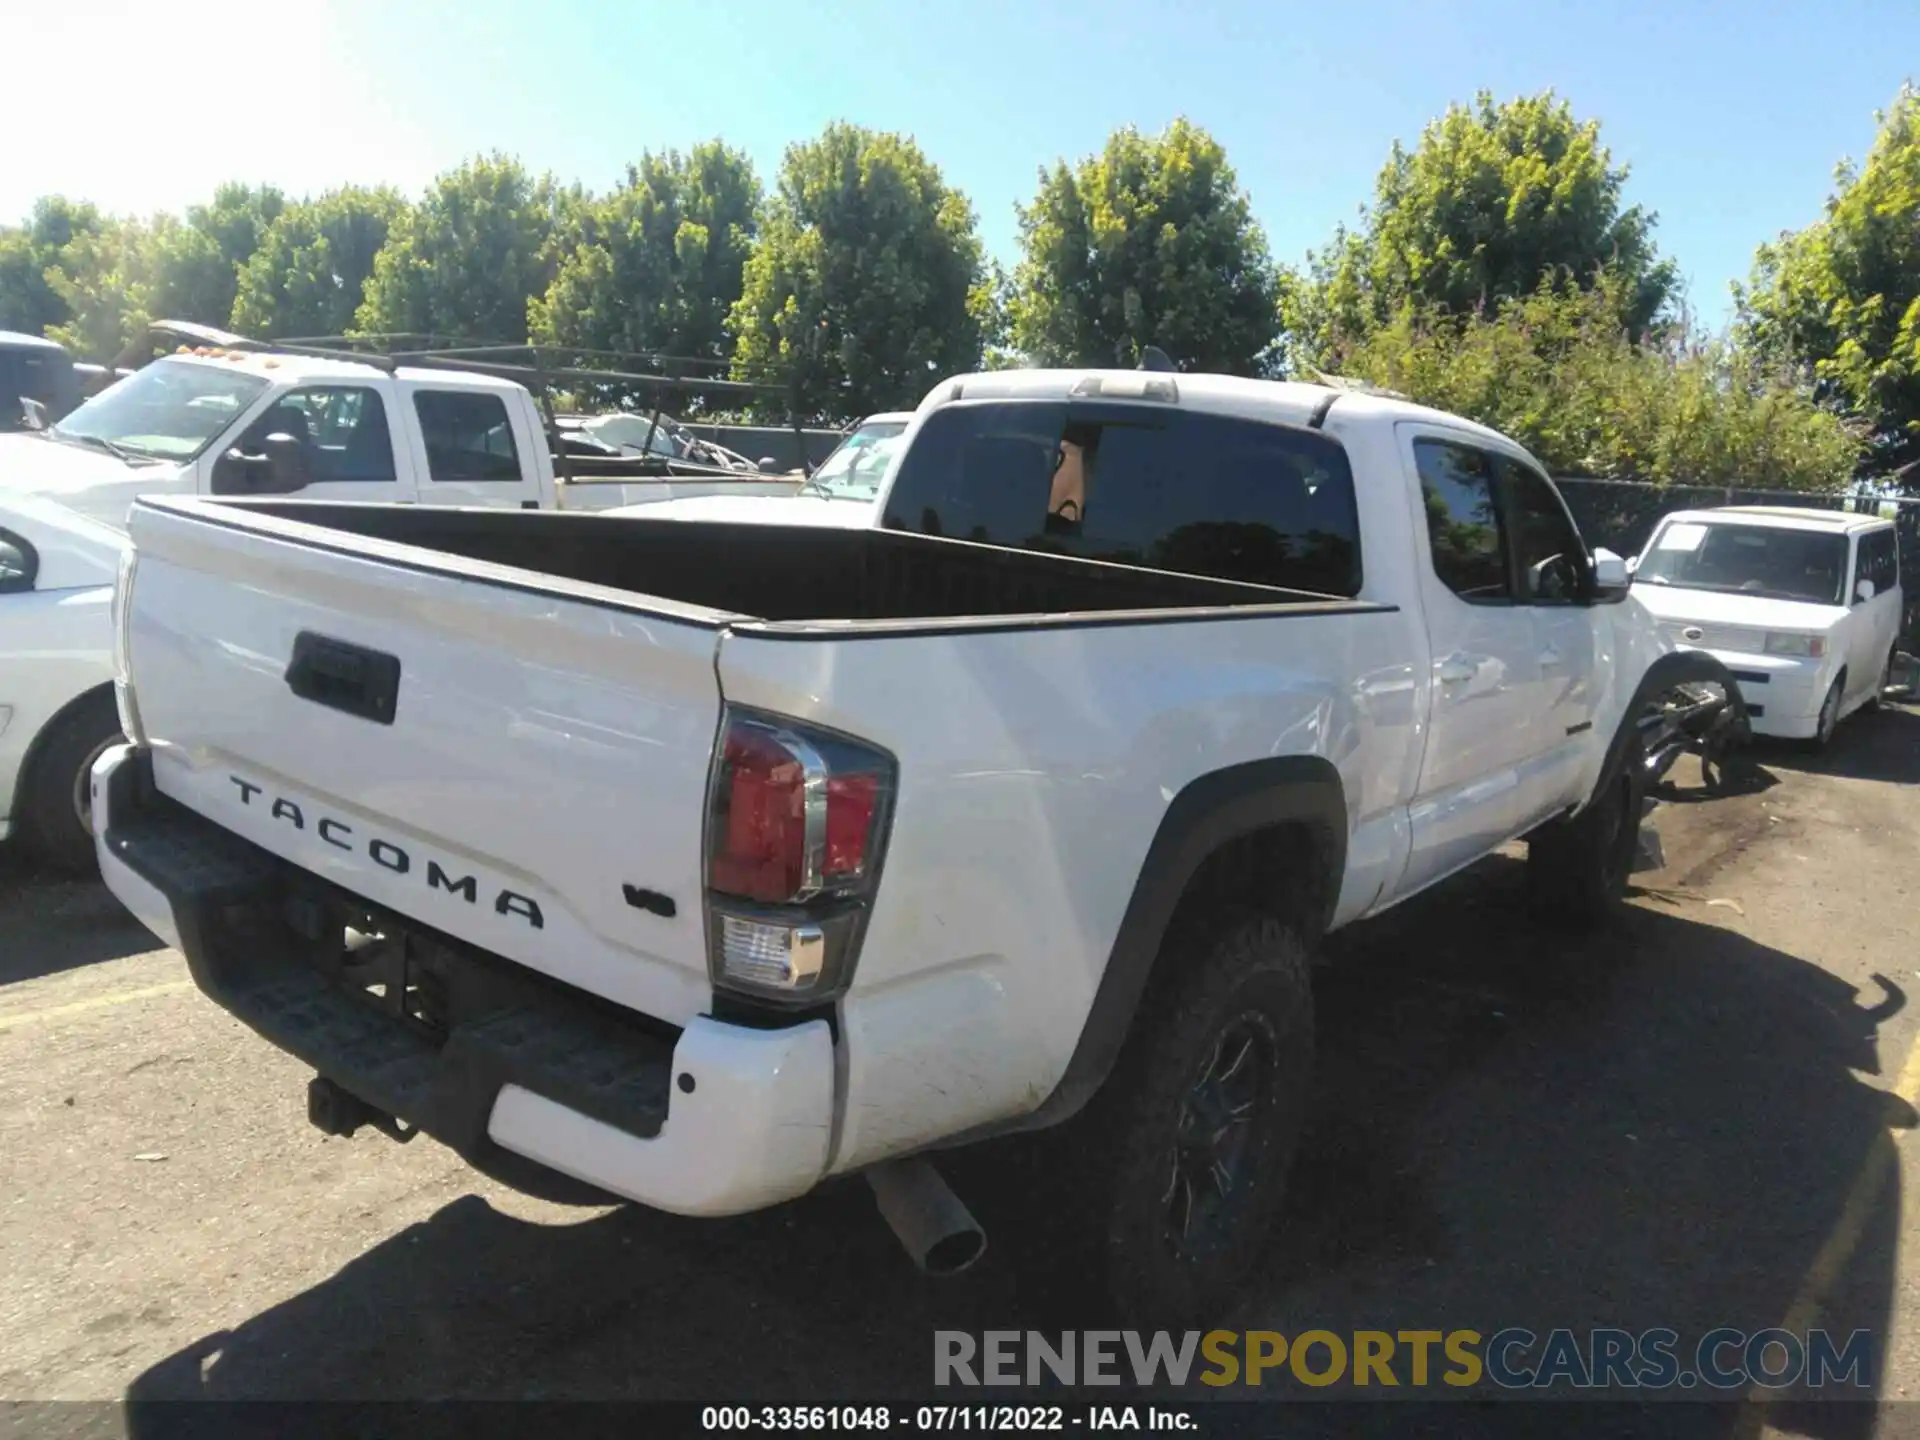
{"x": 714, "y": 1119}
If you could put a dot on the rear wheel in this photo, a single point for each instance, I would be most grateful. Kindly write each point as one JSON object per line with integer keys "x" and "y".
{"x": 1577, "y": 869}
{"x": 56, "y": 801}
{"x": 1201, "y": 1120}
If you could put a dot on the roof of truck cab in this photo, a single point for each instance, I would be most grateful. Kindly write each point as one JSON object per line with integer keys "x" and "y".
{"x": 20, "y": 340}
{"x": 278, "y": 367}
{"x": 1787, "y": 517}
{"x": 1287, "y": 402}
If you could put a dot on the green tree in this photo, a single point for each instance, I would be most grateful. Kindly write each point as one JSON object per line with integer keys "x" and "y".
{"x": 105, "y": 280}
{"x": 28, "y": 301}
{"x": 193, "y": 265}
{"x": 309, "y": 272}
{"x": 1151, "y": 242}
{"x": 186, "y": 275}
{"x": 482, "y": 242}
{"x": 660, "y": 263}
{"x": 1561, "y": 372}
{"x": 1493, "y": 199}
{"x": 236, "y": 222}
{"x": 867, "y": 282}
{"x": 1842, "y": 297}
{"x": 238, "y": 219}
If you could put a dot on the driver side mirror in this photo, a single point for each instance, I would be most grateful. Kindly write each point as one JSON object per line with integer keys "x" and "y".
{"x": 1611, "y": 577}
{"x": 1864, "y": 590}
{"x": 281, "y": 469}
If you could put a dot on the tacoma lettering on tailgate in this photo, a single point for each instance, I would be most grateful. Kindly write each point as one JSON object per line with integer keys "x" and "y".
{"x": 386, "y": 854}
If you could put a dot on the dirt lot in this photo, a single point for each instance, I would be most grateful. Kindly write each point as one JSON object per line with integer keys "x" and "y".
{"x": 1692, "y": 1122}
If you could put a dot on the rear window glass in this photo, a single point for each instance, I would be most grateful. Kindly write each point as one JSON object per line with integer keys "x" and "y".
{"x": 1170, "y": 490}
{"x": 468, "y": 435}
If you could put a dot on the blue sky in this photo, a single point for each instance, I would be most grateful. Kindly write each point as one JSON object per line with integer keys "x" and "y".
{"x": 1731, "y": 115}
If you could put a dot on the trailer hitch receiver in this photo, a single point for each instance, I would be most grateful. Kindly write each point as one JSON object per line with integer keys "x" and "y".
{"x": 334, "y": 1110}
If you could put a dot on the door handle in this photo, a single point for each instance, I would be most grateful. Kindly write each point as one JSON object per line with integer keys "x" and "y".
{"x": 1457, "y": 671}
{"x": 349, "y": 678}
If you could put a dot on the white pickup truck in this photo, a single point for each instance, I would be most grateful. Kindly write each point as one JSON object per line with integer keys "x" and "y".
{"x": 219, "y": 420}
{"x": 703, "y": 862}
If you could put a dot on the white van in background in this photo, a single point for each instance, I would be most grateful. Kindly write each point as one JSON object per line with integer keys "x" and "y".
{"x": 1803, "y": 606}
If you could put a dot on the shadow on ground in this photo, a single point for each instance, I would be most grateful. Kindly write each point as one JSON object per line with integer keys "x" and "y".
{"x": 1881, "y": 744}
{"x": 1654, "y": 1127}
{"x": 51, "y": 922}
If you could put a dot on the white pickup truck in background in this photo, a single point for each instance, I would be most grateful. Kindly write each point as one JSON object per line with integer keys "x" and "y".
{"x": 231, "y": 420}
{"x": 700, "y": 862}
{"x": 843, "y": 491}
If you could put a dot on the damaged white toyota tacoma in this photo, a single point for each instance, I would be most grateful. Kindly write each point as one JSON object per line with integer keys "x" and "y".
{"x": 697, "y": 863}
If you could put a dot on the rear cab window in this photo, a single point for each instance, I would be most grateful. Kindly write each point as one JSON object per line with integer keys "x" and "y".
{"x": 1137, "y": 484}
{"x": 468, "y": 435}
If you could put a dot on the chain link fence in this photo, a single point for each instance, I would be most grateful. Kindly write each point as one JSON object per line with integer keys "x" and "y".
{"x": 1622, "y": 515}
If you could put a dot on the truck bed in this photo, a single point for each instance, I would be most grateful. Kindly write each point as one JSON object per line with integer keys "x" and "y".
{"x": 782, "y": 576}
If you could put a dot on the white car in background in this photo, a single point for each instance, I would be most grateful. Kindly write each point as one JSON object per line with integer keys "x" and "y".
{"x": 843, "y": 493}
{"x": 57, "y": 711}
{"x": 1803, "y": 606}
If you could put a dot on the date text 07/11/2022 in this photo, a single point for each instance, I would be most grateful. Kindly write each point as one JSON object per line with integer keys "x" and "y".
{"x": 938, "y": 1418}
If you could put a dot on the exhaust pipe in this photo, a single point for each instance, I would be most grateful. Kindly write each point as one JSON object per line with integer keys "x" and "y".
{"x": 926, "y": 1217}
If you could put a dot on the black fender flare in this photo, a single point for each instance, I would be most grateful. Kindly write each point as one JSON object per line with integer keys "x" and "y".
{"x": 1211, "y": 811}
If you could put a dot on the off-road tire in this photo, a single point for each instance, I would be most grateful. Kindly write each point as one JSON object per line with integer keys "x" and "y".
{"x": 1244, "y": 975}
{"x": 56, "y": 783}
{"x": 1577, "y": 869}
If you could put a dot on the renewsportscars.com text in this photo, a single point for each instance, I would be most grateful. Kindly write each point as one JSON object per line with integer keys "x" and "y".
{"x": 1514, "y": 1358}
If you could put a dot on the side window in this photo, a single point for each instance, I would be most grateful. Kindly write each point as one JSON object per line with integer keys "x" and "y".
{"x": 1879, "y": 560}
{"x": 18, "y": 563}
{"x": 468, "y": 435}
{"x": 342, "y": 429}
{"x": 1225, "y": 497}
{"x": 1552, "y": 562}
{"x": 1463, "y": 522}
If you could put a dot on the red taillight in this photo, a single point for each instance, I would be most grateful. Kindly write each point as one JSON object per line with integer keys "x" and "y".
{"x": 795, "y": 813}
{"x": 852, "y": 801}
{"x": 762, "y": 820}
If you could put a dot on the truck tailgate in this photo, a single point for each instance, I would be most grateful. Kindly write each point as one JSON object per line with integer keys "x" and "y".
{"x": 465, "y": 744}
